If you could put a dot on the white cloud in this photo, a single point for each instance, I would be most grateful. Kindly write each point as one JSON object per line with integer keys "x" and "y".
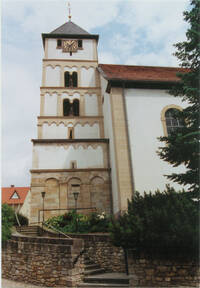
{"x": 152, "y": 27}
{"x": 107, "y": 57}
{"x": 44, "y": 16}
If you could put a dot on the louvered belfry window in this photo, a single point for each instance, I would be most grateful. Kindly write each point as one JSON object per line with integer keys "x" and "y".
{"x": 71, "y": 79}
{"x": 70, "y": 109}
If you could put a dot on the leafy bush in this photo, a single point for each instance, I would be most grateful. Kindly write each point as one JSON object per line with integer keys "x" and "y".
{"x": 23, "y": 220}
{"x": 73, "y": 222}
{"x": 7, "y": 218}
{"x": 161, "y": 223}
{"x": 99, "y": 222}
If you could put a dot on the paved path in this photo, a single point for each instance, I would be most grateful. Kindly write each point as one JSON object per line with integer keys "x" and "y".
{"x": 13, "y": 284}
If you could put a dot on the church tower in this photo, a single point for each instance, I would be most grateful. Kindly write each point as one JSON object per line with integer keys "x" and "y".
{"x": 71, "y": 153}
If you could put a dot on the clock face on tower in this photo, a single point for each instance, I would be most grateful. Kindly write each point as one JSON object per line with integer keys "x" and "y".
{"x": 70, "y": 46}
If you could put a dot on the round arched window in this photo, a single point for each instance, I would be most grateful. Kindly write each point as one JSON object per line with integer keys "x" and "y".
{"x": 172, "y": 120}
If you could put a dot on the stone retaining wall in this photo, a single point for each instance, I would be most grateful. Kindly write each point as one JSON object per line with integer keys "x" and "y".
{"x": 163, "y": 273}
{"x": 55, "y": 262}
{"x": 43, "y": 261}
{"x": 102, "y": 251}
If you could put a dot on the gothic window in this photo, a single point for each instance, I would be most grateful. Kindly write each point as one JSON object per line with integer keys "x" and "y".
{"x": 172, "y": 122}
{"x": 66, "y": 107}
{"x": 71, "y": 79}
{"x": 76, "y": 107}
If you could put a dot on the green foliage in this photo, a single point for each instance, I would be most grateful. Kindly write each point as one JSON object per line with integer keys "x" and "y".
{"x": 159, "y": 224}
{"x": 182, "y": 147}
{"x": 69, "y": 222}
{"x": 7, "y": 218}
{"x": 98, "y": 222}
{"x": 23, "y": 220}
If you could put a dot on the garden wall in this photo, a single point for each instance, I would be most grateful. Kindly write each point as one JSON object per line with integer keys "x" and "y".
{"x": 43, "y": 261}
{"x": 102, "y": 251}
{"x": 163, "y": 273}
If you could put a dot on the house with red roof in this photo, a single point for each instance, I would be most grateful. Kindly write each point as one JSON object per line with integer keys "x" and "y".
{"x": 16, "y": 197}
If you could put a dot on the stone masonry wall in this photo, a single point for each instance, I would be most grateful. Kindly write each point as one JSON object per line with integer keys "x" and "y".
{"x": 162, "y": 273}
{"x": 43, "y": 261}
{"x": 101, "y": 250}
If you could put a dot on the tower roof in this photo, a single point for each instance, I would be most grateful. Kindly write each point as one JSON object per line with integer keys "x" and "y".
{"x": 70, "y": 28}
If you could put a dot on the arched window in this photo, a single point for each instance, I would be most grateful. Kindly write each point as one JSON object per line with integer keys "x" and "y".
{"x": 71, "y": 80}
{"x": 66, "y": 107}
{"x": 70, "y": 133}
{"x": 70, "y": 108}
{"x": 74, "y": 79}
{"x": 172, "y": 121}
{"x": 76, "y": 107}
{"x": 67, "y": 79}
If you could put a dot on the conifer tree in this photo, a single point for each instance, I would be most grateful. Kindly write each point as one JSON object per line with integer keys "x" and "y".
{"x": 182, "y": 145}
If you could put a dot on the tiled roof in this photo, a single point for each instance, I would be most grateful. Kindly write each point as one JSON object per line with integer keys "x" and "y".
{"x": 70, "y": 28}
{"x": 8, "y": 192}
{"x": 140, "y": 73}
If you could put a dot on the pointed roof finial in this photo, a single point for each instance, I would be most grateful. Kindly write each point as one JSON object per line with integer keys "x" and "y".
{"x": 69, "y": 8}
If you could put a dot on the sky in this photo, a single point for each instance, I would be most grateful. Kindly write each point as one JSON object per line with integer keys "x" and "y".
{"x": 132, "y": 32}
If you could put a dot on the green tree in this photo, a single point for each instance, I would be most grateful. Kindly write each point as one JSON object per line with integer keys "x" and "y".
{"x": 7, "y": 218}
{"x": 182, "y": 146}
{"x": 160, "y": 224}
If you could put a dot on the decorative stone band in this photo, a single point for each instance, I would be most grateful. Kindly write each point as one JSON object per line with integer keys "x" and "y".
{"x": 82, "y": 120}
{"x": 69, "y": 170}
{"x": 68, "y": 61}
{"x": 65, "y": 89}
{"x": 45, "y": 141}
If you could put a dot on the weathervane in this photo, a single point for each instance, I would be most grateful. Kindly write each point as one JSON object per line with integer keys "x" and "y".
{"x": 69, "y": 8}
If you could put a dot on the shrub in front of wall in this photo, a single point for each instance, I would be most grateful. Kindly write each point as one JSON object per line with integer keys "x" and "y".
{"x": 23, "y": 220}
{"x": 99, "y": 222}
{"x": 72, "y": 222}
{"x": 164, "y": 224}
{"x": 7, "y": 220}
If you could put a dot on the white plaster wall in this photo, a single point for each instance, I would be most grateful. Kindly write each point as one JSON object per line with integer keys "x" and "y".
{"x": 54, "y": 132}
{"x": 52, "y": 76}
{"x": 87, "y": 53}
{"x": 70, "y": 69}
{"x": 86, "y": 131}
{"x": 57, "y": 157}
{"x": 88, "y": 77}
{"x": 144, "y": 125}
{"x": 91, "y": 105}
{"x": 70, "y": 97}
{"x": 50, "y": 104}
{"x": 25, "y": 209}
{"x": 61, "y": 131}
{"x": 108, "y": 130}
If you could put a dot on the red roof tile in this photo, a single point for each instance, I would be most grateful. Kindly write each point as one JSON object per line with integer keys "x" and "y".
{"x": 141, "y": 73}
{"x": 7, "y": 193}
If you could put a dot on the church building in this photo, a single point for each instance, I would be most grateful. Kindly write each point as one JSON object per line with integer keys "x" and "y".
{"x": 98, "y": 127}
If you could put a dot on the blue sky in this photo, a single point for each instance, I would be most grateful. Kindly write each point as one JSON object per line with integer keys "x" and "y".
{"x": 132, "y": 32}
